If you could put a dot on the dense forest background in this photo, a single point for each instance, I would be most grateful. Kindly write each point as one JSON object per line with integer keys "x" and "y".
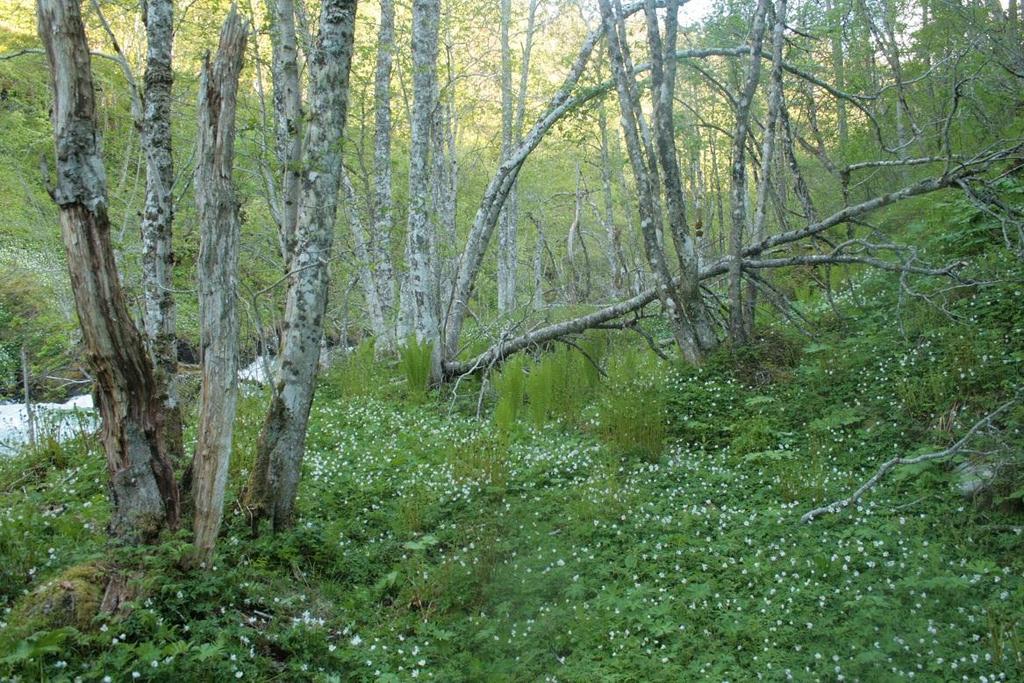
{"x": 512, "y": 340}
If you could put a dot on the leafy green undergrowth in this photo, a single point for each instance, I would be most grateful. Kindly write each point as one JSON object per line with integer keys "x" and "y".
{"x": 639, "y": 527}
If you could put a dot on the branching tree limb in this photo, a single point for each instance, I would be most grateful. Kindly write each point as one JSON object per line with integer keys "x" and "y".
{"x": 889, "y": 465}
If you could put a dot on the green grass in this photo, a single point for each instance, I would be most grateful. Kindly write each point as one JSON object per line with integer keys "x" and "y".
{"x": 639, "y": 527}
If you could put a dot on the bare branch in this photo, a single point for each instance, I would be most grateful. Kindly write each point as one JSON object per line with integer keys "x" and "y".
{"x": 900, "y": 460}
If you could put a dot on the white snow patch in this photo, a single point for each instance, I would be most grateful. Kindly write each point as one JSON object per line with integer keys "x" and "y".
{"x": 62, "y": 420}
{"x": 257, "y": 371}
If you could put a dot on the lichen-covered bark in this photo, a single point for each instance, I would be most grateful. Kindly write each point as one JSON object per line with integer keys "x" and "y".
{"x": 663, "y": 78}
{"x": 218, "y": 280}
{"x": 443, "y": 194}
{"x": 382, "y": 330}
{"x": 158, "y": 211}
{"x": 507, "y": 229}
{"x": 767, "y": 153}
{"x": 425, "y": 19}
{"x": 643, "y": 161}
{"x": 275, "y": 479}
{"x": 287, "y": 120}
{"x": 614, "y": 253}
{"x": 142, "y": 486}
{"x": 379, "y": 244}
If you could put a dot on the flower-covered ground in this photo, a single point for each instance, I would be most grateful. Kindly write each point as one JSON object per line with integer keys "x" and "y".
{"x": 643, "y": 526}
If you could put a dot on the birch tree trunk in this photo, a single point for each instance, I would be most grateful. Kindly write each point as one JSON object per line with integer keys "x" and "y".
{"x": 275, "y": 479}
{"x": 158, "y": 213}
{"x": 218, "y": 280}
{"x": 421, "y": 234}
{"x": 379, "y": 244}
{"x": 143, "y": 490}
{"x": 738, "y": 185}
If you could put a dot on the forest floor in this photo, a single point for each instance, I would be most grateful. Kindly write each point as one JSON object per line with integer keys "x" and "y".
{"x": 639, "y": 527}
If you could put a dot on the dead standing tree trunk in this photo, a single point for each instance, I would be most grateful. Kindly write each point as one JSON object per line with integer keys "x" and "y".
{"x": 218, "y": 280}
{"x": 143, "y": 490}
{"x": 274, "y": 482}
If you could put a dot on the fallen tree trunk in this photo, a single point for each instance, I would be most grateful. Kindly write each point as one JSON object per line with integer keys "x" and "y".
{"x": 502, "y": 350}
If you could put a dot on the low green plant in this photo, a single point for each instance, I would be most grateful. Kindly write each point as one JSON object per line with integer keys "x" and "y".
{"x": 414, "y": 360}
{"x": 631, "y": 413}
{"x": 510, "y": 385}
{"x": 355, "y": 374}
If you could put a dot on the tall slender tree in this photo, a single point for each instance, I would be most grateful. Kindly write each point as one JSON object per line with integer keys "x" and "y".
{"x": 274, "y": 483}
{"x": 421, "y": 233}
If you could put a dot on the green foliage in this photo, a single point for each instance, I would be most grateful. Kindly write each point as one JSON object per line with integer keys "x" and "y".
{"x": 414, "y": 360}
{"x": 510, "y": 385}
{"x": 631, "y": 414}
{"x": 355, "y": 374}
{"x": 561, "y": 382}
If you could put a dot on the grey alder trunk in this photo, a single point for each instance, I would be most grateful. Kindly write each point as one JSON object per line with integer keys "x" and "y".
{"x": 644, "y": 163}
{"x": 616, "y": 257}
{"x": 421, "y": 234}
{"x": 767, "y": 154}
{"x": 158, "y": 212}
{"x": 274, "y": 483}
{"x": 513, "y": 109}
{"x": 663, "y": 77}
{"x": 507, "y": 232}
{"x": 738, "y": 185}
{"x": 287, "y": 121}
{"x": 218, "y": 280}
{"x": 501, "y": 185}
{"x": 143, "y": 490}
{"x": 379, "y": 325}
{"x": 379, "y": 243}
{"x": 443, "y": 195}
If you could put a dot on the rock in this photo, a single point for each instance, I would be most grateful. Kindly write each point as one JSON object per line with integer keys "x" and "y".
{"x": 974, "y": 478}
{"x": 71, "y": 599}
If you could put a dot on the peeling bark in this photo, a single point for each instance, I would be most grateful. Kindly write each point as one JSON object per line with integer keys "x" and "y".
{"x": 218, "y": 281}
{"x": 143, "y": 490}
